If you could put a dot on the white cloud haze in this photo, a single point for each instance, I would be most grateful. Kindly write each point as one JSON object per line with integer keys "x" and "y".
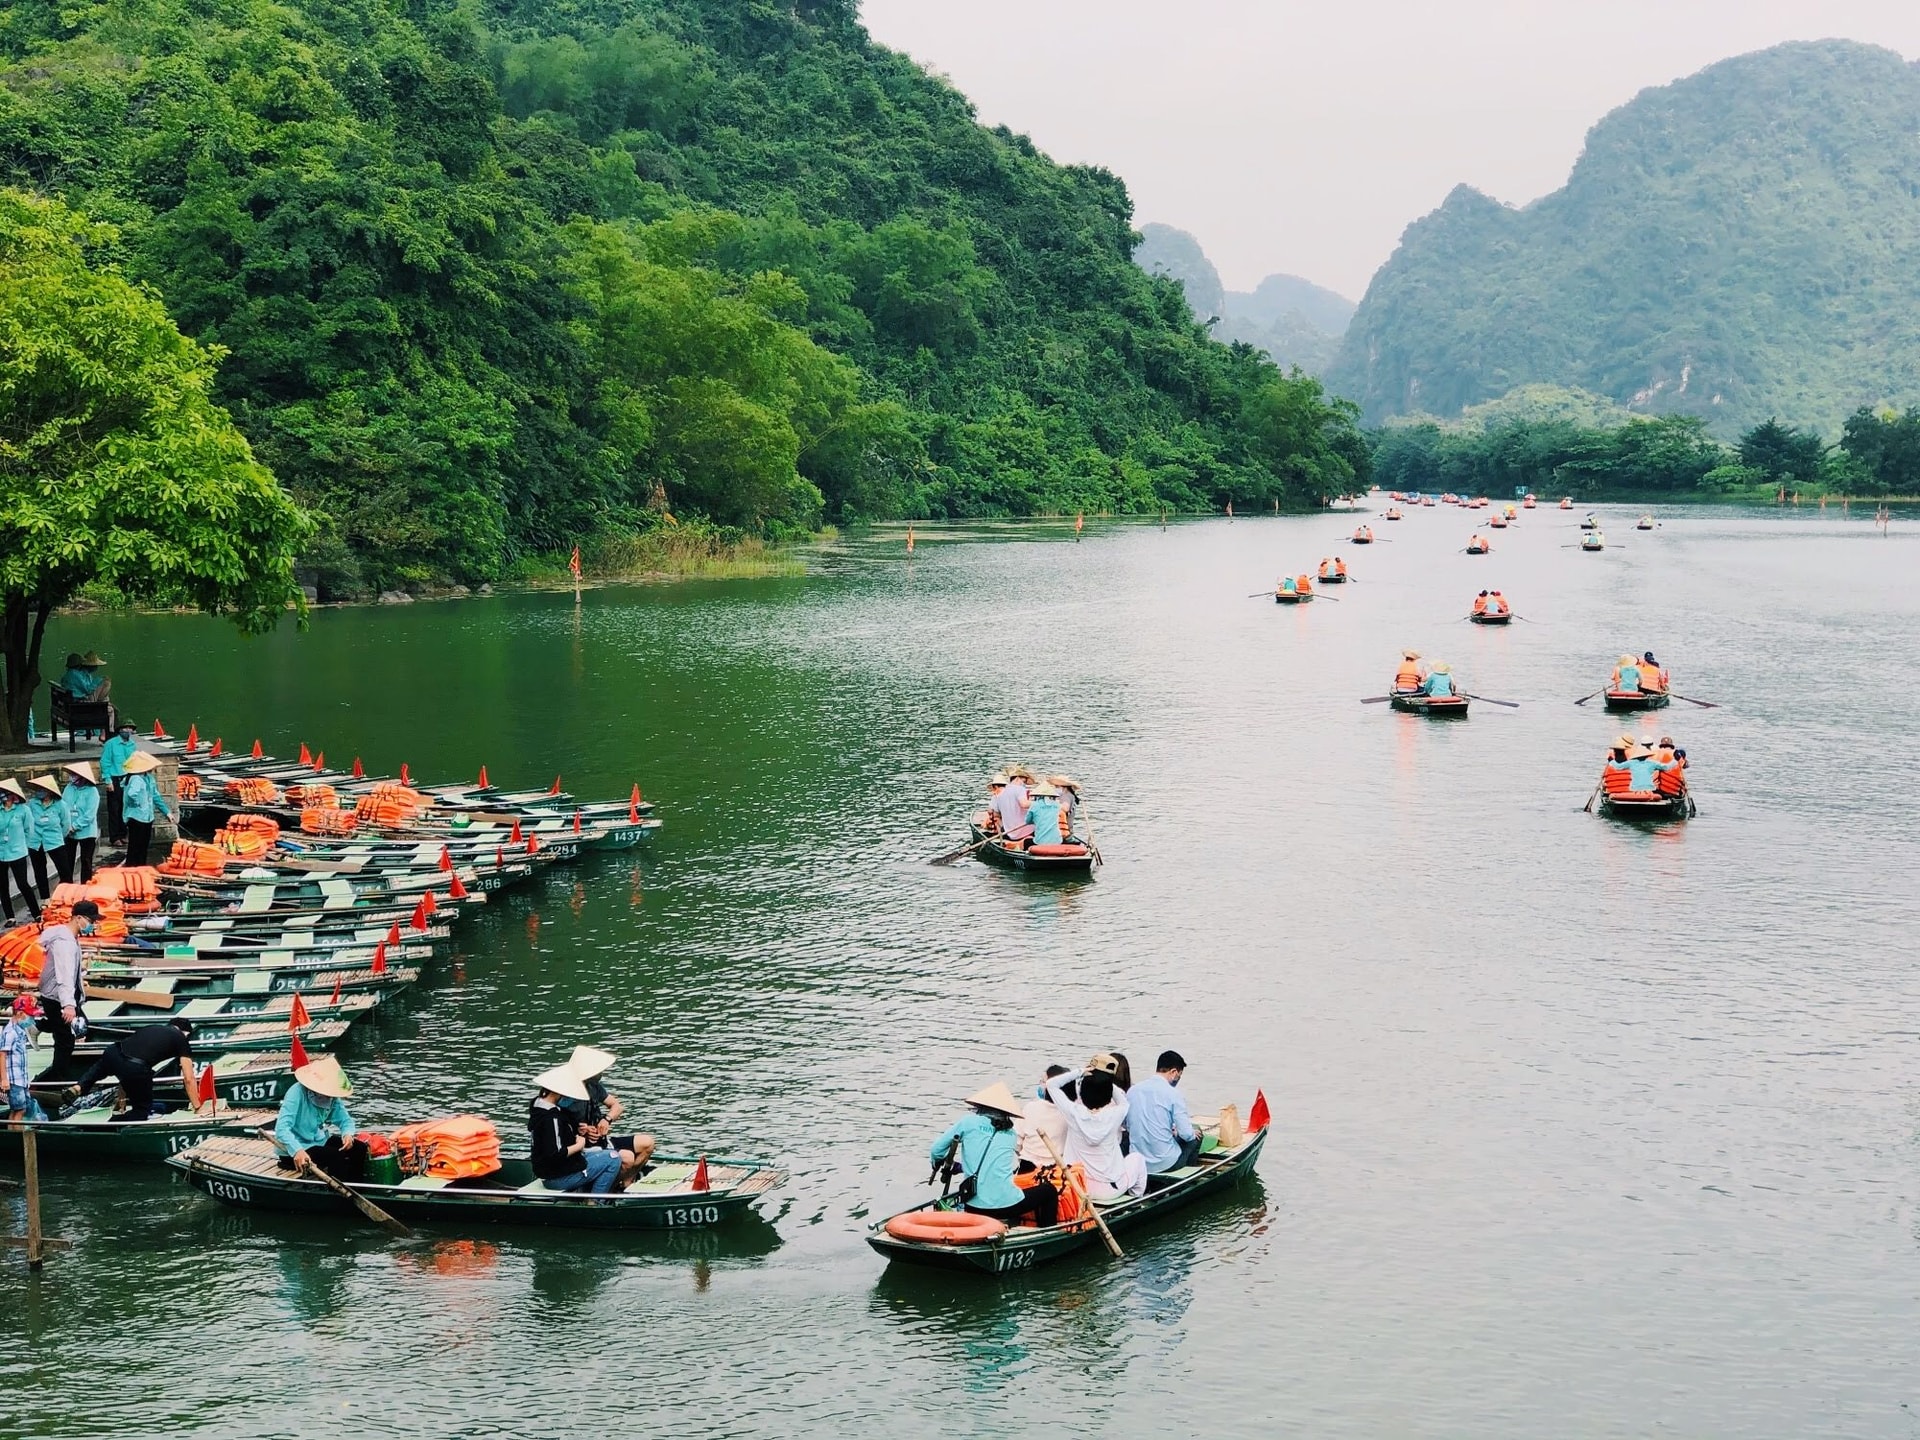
{"x": 1304, "y": 137}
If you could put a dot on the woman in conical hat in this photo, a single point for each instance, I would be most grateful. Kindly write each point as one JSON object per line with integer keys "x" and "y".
{"x": 601, "y": 1108}
{"x": 984, "y": 1146}
{"x": 82, "y": 798}
{"x": 315, "y": 1128}
{"x": 564, "y": 1157}
{"x": 139, "y": 799}
{"x": 16, "y": 829}
{"x": 47, "y": 844}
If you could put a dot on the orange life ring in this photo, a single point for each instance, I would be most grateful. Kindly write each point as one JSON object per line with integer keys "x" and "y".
{"x": 944, "y": 1227}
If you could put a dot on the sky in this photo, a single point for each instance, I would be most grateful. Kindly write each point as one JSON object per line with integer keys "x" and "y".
{"x": 1305, "y": 137}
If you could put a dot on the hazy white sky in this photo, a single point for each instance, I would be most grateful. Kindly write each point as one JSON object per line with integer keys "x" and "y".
{"x": 1304, "y": 137}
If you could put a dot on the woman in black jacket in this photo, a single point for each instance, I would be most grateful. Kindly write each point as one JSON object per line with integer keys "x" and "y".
{"x": 561, "y": 1156}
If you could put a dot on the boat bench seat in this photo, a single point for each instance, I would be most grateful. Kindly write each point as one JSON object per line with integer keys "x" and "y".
{"x": 424, "y": 1182}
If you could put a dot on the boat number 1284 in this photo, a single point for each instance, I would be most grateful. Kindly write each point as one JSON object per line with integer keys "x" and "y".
{"x": 693, "y": 1215}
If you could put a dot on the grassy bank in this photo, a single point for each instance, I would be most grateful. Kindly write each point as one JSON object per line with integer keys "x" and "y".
{"x": 686, "y": 552}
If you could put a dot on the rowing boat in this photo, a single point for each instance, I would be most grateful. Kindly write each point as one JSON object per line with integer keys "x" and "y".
{"x": 1333, "y": 578}
{"x": 246, "y": 1173}
{"x": 1292, "y": 597}
{"x": 1629, "y": 702}
{"x": 1075, "y": 859}
{"x": 94, "y": 1136}
{"x": 1634, "y": 806}
{"x": 1021, "y": 1248}
{"x": 191, "y": 982}
{"x": 234, "y": 1033}
{"x": 244, "y": 1077}
{"x": 1488, "y": 617}
{"x": 1434, "y": 707}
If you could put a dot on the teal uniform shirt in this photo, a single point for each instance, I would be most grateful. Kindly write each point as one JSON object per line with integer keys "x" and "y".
{"x": 306, "y": 1119}
{"x": 986, "y": 1154}
{"x": 83, "y": 810}
{"x": 49, "y": 820}
{"x": 15, "y": 824}
{"x": 140, "y": 797}
{"x": 1645, "y": 774}
{"x": 1441, "y": 685}
{"x": 113, "y": 757}
{"x": 1044, "y": 816}
{"x": 80, "y": 683}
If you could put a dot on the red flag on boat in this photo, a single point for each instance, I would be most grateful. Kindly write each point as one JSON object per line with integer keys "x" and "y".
{"x": 320, "y": 761}
{"x": 446, "y": 858}
{"x": 306, "y": 755}
{"x": 193, "y": 737}
{"x": 393, "y": 935}
{"x": 256, "y": 748}
{"x": 297, "y": 1016}
{"x": 576, "y": 822}
{"x": 299, "y": 1053}
{"x": 514, "y": 835}
{"x": 218, "y": 748}
{"x": 499, "y": 858}
{"x": 405, "y": 779}
{"x": 456, "y": 888}
{"x": 483, "y": 777}
{"x": 207, "y": 1094}
{"x": 379, "y": 966}
{"x": 430, "y": 901}
{"x": 1259, "y": 1117}
{"x": 556, "y": 786}
{"x": 358, "y": 773}
{"x": 700, "y": 1181}
{"x": 335, "y": 998}
{"x": 633, "y": 807}
{"x": 418, "y": 920}
{"x": 159, "y": 730}
{"x": 533, "y": 844}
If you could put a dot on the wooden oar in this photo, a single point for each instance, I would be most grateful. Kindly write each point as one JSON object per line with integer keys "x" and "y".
{"x": 1703, "y": 704}
{"x": 151, "y": 999}
{"x": 1484, "y": 700}
{"x": 360, "y": 1202}
{"x": 1588, "y": 807}
{"x": 953, "y": 855}
{"x": 1086, "y": 1202}
{"x": 1584, "y": 698}
{"x": 1375, "y": 699}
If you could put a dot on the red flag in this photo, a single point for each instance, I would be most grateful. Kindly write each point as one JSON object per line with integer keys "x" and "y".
{"x": 256, "y": 748}
{"x": 419, "y": 918}
{"x": 556, "y": 786}
{"x": 218, "y": 748}
{"x": 334, "y": 999}
{"x": 1259, "y": 1117}
{"x": 576, "y": 822}
{"x": 358, "y": 773}
{"x": 483, "y": 778}
{"x": 306, "y": 755}
{"x": 320, "y": 761}
{"x": 159, "y": 731}
{"x": 573, "y": 563}
{"x": 193, "y": 738}
{"x": 297, "y": 1016}
{"x": 379, "y": 966}
{"x": 405, "y": 779}
{"x": 446, "y": 858}
{"x": 533, "y": 844}
{"x": 206, "y": 1087}
{"x": 431, "y": 902}
{"x": 456, "y": 888}
{"x": 393, "y": 935}
{"x": 299, "y": 1053}
{"x": 633, "y": 807}
{"x": 514, "y": 835}
{"x": 700, "y": 1181}
{"x": 499, "y": 858}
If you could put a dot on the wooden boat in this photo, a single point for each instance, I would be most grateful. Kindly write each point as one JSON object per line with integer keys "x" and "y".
{"x": 247, "y": 1077}
{"x": 1364, "y": 536}
{"x": 1647, "y": 805}
{"x": 1645, "y": 523}
{"x": 1529, "y": 503}
{"x": 1333, "y": 577}
{"x": 1628, "y": 702}
{"x": 1434, "y": 707}
{"x": 1488, "y": 617}
{"x": 1496, "y": 522}
{"x": 1566, "y": 502}
{"x": 235, "y": 1033}
{"x": 1477, "y": 546}
{"x": 1391, "y": 515}
{"x": 1589, "y": 524}
{"x": 1428, "y": 501}
{"x": 94, "y": 1136}
{"x": 1292, "y": 597}
{"x": 1078, "y": 860}
{"x": 245, "y": 1172}
{"x": 1594, "y": 543}
{"x": 198, "y": 984}
{"x": 226, "y": 930}
{"x": 1021, "y": 1248}
{"x": 219, "y": 1009}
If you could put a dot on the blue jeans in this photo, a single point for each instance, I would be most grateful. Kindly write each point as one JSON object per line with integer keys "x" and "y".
{"x": 20, "y": 1098}
{"x": 603, "y": 1168}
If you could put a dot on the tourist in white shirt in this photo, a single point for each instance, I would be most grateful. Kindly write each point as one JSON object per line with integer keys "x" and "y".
{"x": 1040, "y": 1122}
{"x": 1094, "y": 1121}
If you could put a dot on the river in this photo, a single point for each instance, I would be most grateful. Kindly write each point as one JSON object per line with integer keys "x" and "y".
{"x": 1579, "y": 1129}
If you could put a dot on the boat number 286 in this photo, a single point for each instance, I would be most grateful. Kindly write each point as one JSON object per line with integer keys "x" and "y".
{"x": 694, "y": 1215}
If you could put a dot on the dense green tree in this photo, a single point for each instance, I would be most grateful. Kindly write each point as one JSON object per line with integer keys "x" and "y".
{"x": 116, "y": 467}
{"x": 1784, "y": 454}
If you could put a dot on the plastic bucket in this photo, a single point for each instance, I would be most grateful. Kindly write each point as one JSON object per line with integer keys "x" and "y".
{"x": 383, "y": 1169}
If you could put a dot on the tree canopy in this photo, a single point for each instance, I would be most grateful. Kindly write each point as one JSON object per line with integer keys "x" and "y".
{"x": 494, "y": 277}
{"x": 116, "y": 465}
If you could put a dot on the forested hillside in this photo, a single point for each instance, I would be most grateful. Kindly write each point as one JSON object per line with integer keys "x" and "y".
{"x": 1742, "y": 244}
{"x": 493, "y": 277}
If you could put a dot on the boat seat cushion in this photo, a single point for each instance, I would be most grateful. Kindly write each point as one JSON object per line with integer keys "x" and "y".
{"x": 252, "y": 982}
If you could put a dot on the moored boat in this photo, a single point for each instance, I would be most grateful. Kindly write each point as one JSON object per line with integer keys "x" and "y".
{"x": 252, "y": 1077}
{"x": 1072, "y": 858}
{"x": 1020, "y": 1248}
{"x": 93, "y": 1135}
{"x": 1435, "y": 707}
{"x": 245, "y": 1173}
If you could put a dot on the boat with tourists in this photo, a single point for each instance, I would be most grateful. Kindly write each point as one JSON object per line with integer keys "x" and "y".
{"x": 1070, "y": 857}
{"x": 1593, "y": 542}
{"x": 1434, "y": 707}
{"x": 1479, "y": 545}
{"x": 675, "y": 1193}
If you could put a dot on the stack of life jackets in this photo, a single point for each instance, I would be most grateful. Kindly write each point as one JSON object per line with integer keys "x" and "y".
{"x": 21, "y": 958}
{"x": 112, "y": 925}
{"x": 312, "y": 796}
{"x": 248, "y": 836}
{"x": 389, "y": 807}
{"x": 325, "y": 820}
{"x": 135, "y": 886}
{"x": 451, "y": 1149}
{"x": 189, "y": 788}
{"x": 253, "y": 792}
{"x": 189, "y": 857}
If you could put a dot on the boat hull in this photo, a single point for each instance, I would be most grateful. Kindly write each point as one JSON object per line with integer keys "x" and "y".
{"x": 1491, "y": 619}
{"x": 1020, "y": 1249}
{"x": 1289, "y": 597}
{"x": 92, "y": 1137}
{"x": 1448, "y": 707}
{"x": 994, "y": 852}
{"x": 1667, "y": 807}
{"x": 1632, "y": 703}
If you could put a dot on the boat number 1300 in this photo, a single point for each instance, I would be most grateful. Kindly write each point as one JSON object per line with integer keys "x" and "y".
{"x": 693, "y": 1215}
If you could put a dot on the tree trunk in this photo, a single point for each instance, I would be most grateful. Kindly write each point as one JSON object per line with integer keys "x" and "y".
{"x": 23, "y": 626}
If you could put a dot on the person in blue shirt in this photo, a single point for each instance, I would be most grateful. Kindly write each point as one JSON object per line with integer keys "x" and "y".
{"x": 1043, "y": 815}
{"x": 139, "y": 798}
{"x": 82, "y": 797}
{"x": 314, "y": 1127}
{"x": 114, "y": 755}
{"x": 47, "y": 845}
{"x": 83, "y": 679}
{"x": 985, "y": 1145}
{"x": 1643, "y": 767}
{"x": 1626, "y": 676}
{"x": 1159, "y": 1124}
{"x": 1439, "y": 681}
{"x": 15, "y": 826}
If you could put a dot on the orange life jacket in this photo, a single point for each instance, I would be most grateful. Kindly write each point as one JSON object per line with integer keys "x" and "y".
{"x": 1408, "y": 676}
{"x": 1340, "y": 567}
{"x": 1480, "y": 605}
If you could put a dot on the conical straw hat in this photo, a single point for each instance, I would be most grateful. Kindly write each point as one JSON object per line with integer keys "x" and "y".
{"x": 998, "y": 1097}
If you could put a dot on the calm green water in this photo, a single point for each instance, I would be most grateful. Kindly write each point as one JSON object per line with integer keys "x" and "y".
{"x": 1580, "y": 1130}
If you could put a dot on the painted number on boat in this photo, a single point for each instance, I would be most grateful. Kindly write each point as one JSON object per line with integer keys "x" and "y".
{"x": 1013, "y": 1260}
{"x": 222, "y": 1190}
{"x": 693, "y": 1215}
{"x": 251, "y": 1090}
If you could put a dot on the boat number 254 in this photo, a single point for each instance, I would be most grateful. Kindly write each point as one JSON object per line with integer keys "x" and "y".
{"x": 694, "y": 1215}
